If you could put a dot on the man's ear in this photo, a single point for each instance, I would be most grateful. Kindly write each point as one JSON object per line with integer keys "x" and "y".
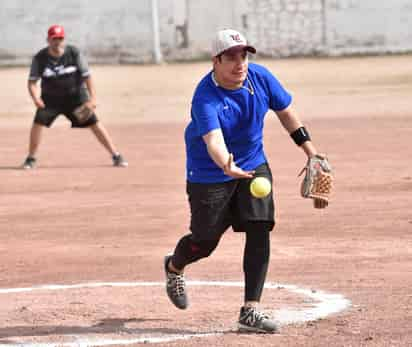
{"x": 217, "y": 60}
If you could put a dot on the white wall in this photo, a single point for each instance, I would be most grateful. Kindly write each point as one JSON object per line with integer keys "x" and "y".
{"x": 121, "y": 31}
{"x": 107, "y": 31}
{"x": 286, "y": 27}
{"x": 358, "y": 26}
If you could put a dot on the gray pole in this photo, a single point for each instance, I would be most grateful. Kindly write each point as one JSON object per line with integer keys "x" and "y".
{"x": 324, "y": 26}
{"x": 157, "y": 53}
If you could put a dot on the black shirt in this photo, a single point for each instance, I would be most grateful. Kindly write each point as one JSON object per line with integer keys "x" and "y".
{"x": 62, "y": 76}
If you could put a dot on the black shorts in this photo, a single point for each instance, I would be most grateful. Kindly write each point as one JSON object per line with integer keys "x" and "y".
{"x": 215, "y": 207}
{"x": 46, "y": 116}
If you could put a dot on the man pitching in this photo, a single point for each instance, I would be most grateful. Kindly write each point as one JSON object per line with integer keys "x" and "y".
{"x": 66, "y": 88}
{"x": 224, "y": 153}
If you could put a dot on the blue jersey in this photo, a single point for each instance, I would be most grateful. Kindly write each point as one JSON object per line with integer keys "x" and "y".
{"x": 239, "y": 114}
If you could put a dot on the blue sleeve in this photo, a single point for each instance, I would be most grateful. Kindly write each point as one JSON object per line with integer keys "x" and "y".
{"x": 278, "y": 95}
{"x": 205, "y": 117}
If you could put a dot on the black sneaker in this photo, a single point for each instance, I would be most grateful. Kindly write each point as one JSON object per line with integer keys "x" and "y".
{"x": 29, "y": 163}
{"x": 119, "y": 161}
{"x": 175, "y": 286}
{"x": 251, "y": 320}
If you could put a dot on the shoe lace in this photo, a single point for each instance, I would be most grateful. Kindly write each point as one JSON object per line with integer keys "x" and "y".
{"x": 177, "y": 283}
{"x": 256, "y": 316}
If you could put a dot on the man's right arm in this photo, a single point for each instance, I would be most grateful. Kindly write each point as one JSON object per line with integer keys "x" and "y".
{"x": 32, "y": 83}
{"x": 216, "y": 147}
{"x": 35, "y": 94}
{"x": 217, "y": 150}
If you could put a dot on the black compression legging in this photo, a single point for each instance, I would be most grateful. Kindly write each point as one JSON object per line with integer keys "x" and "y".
{"x": 255, "y": 258}
{"x": 256, "y": 261}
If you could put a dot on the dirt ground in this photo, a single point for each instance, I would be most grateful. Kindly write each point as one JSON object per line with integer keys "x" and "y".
{"x": 76, "y": 219}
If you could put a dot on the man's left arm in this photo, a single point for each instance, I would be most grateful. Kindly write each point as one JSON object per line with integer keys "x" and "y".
{"x": 291, "y": 122}
{"x": 87, "y": 77}
{"x": 317, "y": 182}
{"x": 280, "y": 101}
{"x": 86, "y": 110}
{"x": 92, "y": 92}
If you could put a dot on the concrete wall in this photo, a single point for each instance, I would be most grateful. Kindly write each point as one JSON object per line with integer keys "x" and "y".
{"x": 286, "y": 27}
{"x": 359, "y": 26}
{"x": 107, "y": 31}
{"x": 121, "y": 31}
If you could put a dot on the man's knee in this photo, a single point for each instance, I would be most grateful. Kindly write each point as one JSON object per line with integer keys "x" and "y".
{"x": 199, "y": 248}
{"x": 188, "y": 250}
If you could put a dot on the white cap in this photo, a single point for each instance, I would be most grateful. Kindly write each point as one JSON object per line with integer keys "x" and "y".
{"x": 228, "y": 38}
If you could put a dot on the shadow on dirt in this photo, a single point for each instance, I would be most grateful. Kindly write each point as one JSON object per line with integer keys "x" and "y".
{"x": 106, "y": 326}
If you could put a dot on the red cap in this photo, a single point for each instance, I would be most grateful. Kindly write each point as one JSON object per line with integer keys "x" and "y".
{"x": 55, "y": 31}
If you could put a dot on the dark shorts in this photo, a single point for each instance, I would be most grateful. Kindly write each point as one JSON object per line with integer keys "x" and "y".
{"x": 215, "y": 207}
{"x": 46, "y": 116}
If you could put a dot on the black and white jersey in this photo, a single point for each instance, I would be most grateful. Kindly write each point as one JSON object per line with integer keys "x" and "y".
{"x": 60, "y": 77}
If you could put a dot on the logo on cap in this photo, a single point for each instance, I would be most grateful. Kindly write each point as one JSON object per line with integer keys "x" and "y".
{"x": 236, "y": 38}
{"x": 227, "y": 39}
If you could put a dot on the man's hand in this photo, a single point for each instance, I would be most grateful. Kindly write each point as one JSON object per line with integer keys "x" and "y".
{"x": 39, "y": 103}
{"x": 234, "y": 171}
{"x": 91, "y": 104}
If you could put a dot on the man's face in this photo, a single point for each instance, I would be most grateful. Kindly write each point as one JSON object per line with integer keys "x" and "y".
{"x": 232, "y": 65}
{"x": 56, "y": 44}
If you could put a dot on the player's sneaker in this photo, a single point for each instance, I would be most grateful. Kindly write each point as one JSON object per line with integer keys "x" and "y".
{"x": 29, "y": 163}
{"x": 251, "y": 320}
{"x": 175, "y": 286}
{"x": 119, "y": 161}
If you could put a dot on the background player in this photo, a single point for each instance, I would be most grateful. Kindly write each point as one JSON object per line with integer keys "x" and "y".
{"x": 224, "y": 152}
{"x": 66, "y": 84}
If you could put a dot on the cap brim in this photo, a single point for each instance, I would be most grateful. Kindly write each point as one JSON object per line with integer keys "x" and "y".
{"x": 57, "y": 36}
{"x": 248, "y": 48}
{"x": 251, "y": 49}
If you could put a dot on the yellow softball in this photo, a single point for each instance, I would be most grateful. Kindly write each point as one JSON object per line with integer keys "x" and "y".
{"x": 260, "y": 187}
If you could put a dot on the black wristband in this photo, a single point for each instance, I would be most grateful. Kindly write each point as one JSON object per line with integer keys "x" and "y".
{"x": 300, "y": 136}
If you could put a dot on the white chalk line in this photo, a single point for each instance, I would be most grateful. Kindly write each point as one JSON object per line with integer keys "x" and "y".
{"x": 325, "y": 305}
